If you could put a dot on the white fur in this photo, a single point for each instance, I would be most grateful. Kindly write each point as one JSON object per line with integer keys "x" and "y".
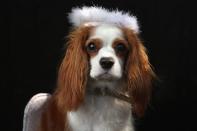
{"x": 103, "y": 113}
{"x": 107, "y": 34}
{"x": 96, "y": 15}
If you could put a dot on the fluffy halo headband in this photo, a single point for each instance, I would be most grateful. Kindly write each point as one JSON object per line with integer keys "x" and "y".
{"x": 99, "y": 15}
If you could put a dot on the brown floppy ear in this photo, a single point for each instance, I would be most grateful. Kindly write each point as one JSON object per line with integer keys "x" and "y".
{"x": 72, "y": 75}
{"x": 139, "y": 73}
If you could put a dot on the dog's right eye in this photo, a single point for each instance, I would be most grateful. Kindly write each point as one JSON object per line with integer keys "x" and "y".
{"x": 91, "y": 47}
{"x": 120, "y": 47}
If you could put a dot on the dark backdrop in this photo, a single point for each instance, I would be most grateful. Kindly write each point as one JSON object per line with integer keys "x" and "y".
{"x": 36, "y": 35}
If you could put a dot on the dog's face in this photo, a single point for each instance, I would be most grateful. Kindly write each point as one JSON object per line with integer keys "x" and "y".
{"x": 107, "y": 50}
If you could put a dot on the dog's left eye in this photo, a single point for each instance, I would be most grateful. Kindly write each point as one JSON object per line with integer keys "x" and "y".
{"x": 120, "y": 47}
{"x": 91, "y": 47}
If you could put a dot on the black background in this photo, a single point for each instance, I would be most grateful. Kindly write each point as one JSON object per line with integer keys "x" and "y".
{"x": 36, "y": 38}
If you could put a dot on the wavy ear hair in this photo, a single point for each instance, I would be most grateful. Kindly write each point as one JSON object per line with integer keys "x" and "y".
{"x": 73, "y": 71}
{"x": 72, "y": 78}
{"x": 139, "y": 73}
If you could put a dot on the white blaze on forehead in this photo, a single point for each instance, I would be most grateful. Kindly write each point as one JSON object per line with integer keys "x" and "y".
{"x": 107, "y": 33}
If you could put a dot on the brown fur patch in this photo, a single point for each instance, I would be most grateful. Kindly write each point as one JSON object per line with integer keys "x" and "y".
{"x": 138, "y": 72}
{"x": 98, "y": 44}
{"x": 125, "y": 43}
{"x": 71, "y": 85}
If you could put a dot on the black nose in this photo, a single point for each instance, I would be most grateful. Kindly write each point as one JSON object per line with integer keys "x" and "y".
{"x": 106, "y": 62}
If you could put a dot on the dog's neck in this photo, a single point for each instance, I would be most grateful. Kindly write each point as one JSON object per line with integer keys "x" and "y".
{"x": 116, "y": 89}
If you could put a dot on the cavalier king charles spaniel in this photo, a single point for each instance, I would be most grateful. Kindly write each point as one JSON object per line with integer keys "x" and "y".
{"x": 105, "y": 76}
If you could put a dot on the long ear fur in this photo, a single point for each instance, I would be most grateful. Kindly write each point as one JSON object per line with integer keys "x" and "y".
{"x": 139, "y": 73}
{"x": 73, "y": 71}
{"x": 71, "y": 83}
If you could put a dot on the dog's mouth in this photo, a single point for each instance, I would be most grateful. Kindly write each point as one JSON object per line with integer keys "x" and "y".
{"x": 106, "y": 76}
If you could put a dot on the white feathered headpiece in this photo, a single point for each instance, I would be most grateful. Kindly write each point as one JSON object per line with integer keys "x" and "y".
{"x": 98, "y": 15}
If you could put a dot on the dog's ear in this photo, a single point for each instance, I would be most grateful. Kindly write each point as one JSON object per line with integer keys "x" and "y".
{"x": 138, "y": 72}
{"x": 73, "y": 71}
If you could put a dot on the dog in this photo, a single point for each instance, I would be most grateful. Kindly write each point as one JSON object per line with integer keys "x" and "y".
{"x": 105, "y": 76}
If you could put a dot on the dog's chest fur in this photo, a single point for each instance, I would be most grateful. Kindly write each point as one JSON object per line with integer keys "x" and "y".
{"x": 101, "y": 113}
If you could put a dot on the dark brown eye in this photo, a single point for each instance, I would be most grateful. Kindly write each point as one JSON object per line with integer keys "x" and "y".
{"x": 91, "y": 47}
{"x": 120, "y": 47}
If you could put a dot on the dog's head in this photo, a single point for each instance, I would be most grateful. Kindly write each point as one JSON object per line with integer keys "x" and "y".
{"x": 105, "y": 52}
